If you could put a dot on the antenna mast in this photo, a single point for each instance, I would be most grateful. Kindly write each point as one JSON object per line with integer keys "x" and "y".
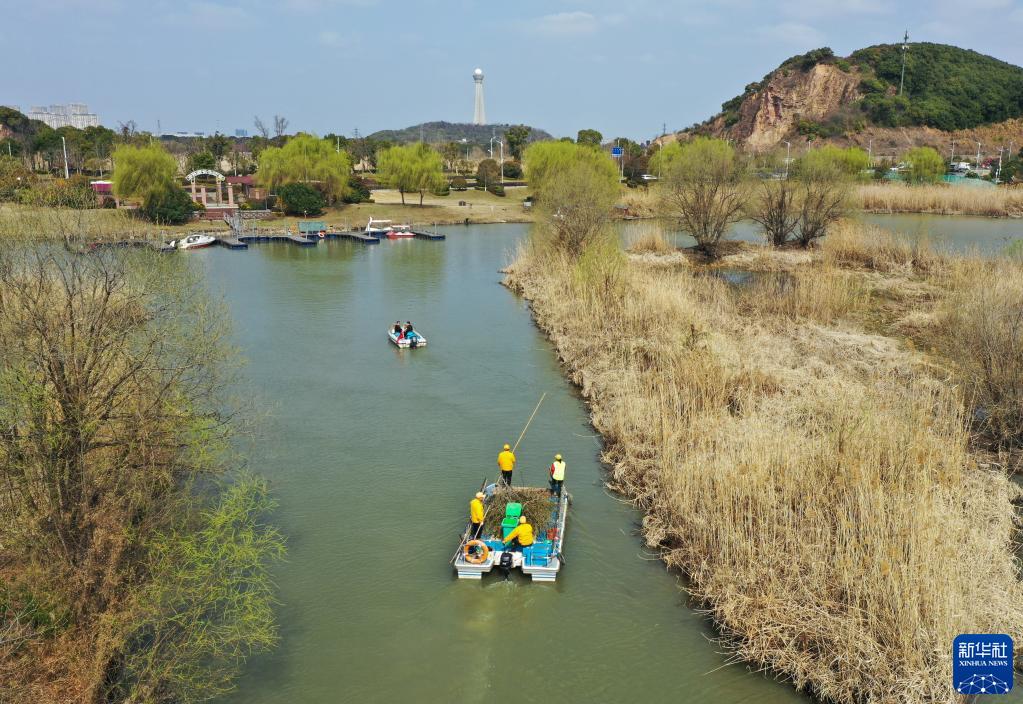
{"x": 905, "y": 46}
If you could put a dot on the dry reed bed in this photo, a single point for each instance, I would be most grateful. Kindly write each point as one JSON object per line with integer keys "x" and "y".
{"x": 812, "y": 480}
{"x": 942, "y": 200}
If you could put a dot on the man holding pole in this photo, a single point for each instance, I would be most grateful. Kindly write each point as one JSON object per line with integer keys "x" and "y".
{"x": 476, "y": 515}
{"x": 506, "y": 463}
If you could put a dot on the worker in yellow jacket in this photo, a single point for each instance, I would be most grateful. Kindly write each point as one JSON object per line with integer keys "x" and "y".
{"x": 506, "y": 463}
{"x": 476, "y": 515}
{"x": 521, "y": 537}
{"x": 557, "y": 471}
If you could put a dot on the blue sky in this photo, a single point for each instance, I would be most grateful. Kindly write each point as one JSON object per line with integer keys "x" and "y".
{"x": 335, "y": 65}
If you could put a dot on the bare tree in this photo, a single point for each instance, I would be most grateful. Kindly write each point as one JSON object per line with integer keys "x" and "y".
{"x": 261, "y": 127}
{"x": 280, "y": 125}
{"x": 824, "y": 202}
{"x": 776, "y": 209}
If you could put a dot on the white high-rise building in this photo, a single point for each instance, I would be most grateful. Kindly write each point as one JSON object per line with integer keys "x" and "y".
{"x": 71, "y": 115}
{"x": 479, "y": 114}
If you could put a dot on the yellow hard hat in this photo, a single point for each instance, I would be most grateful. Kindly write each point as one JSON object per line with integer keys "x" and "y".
{"x": 557, "y": 457}
{"x": 522, "y": 519}
{"x": 480, "y": 495}
{"x": 507, "y": 446}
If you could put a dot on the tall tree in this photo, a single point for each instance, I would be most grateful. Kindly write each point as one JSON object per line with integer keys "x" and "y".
{"x": 591, "y": 138}
{"x": 702, "y": 189}
{"x": 280, "y": 126}
{"x": 261, "y": 127}
{"x": 411, "y": 168}
{"x": 141, "y": 170}
{"x": 306, "y": 159}
{"x": 516, "y": 137}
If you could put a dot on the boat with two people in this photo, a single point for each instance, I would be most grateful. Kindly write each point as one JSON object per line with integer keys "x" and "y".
{"x": 405, "y": 336}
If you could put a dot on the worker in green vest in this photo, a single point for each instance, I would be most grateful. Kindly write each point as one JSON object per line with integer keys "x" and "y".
{"x": 557, "y": 470}
{"x": 521, "y": 536}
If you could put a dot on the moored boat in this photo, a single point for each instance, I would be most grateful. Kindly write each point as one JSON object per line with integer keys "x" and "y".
{"x": 193, "y": 242}
{"x": 400, "y": 232}
{"x": 541, "y": 561}
{"x": 378, "y": 228}
{"x": 403, "y": 341}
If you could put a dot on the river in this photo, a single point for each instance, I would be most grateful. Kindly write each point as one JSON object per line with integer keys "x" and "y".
{"x": 374, "y": 454}
{"x": 985, "y": 236}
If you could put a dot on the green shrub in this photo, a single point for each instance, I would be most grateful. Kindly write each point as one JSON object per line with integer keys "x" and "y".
{"x": 459, "y": 183}
{"x": 512, "y": 169}
{"x": 167, "y": 206}
{"x": 442, "y": 189}
{"x": 300, "y": 199}
{"x": 358, "y": 191}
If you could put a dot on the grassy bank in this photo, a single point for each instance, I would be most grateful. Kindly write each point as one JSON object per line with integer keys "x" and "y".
{"x": 98, "y": 224}
{"x": 809, "y": 471}
{"x": 940, "y": 200}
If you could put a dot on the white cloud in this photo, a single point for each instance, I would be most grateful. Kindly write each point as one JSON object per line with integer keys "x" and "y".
{"x": 792, "y": 34}
{"x": 564, "y": 24}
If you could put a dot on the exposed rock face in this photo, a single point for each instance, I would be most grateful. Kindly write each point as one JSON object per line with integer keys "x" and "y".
{"x": 772, "y": 113}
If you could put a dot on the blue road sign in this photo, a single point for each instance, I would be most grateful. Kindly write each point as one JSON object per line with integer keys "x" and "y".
{"x": 616, "y": 151}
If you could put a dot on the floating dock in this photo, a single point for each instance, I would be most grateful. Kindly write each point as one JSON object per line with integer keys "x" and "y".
{"x": 427, "y": 235}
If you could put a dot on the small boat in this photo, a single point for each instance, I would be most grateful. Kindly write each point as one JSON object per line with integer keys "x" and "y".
{"x": 378, "y": 228}
{"x": 193, "y": 242}
{"x": 403, "y": 342}
{"x": 541, "y": 561}
{"x": 400, "y": 232}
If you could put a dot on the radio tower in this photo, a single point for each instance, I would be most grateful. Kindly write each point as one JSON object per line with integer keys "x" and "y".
{"x": 905, "y": 46}
{"x": 479, "y": 114}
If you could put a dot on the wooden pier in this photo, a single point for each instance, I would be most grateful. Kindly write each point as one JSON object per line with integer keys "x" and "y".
{"x": 427, "y": 235}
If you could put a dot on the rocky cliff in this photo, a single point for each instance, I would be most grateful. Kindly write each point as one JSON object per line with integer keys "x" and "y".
{"x": 788, "y": 99}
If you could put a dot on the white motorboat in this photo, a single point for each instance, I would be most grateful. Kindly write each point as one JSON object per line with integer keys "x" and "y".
{"x": 193, "y": 242}
{"x": 403, "y": 341}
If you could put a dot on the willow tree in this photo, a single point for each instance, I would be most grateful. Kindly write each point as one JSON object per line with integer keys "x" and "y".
{"x": 139, "y": 171}
{"x": 411, "y": 168}
{"x": 576, "y": 187}
{"x": 702, "y": 188}
{"x": 306, "y": 159}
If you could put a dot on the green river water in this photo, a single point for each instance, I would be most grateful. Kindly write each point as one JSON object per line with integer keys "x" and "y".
{"x": 374, "y": 453}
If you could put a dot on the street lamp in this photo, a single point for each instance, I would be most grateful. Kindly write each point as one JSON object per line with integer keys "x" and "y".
{"x": 870, "y": 152}
{"x": 999, "y": 172}
{"x": 978, "y": 155}
{"x": 952, "y": 159}
{"x": 788, "y": 149}
{"x": 64, "y": 143}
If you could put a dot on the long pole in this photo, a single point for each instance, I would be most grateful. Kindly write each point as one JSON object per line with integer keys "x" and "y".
{"x": 978, "y": 154}
{"x": 532, "y": 415}
{"x": 64, "y": 143}
{"x": 905, "y": 45}
{"x": 788, "y": 149}
{"x": 952, "y": 159}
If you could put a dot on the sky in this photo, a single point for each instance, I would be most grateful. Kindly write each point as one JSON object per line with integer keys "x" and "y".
{"x": 626, "y": 68}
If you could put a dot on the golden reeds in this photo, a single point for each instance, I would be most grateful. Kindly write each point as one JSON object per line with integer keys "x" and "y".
{"x": 940, "y": 199}
{"x": 813, "y": 480}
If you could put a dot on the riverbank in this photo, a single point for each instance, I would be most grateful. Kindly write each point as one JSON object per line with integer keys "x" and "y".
{"x": 1001, "y": 202}
{"x": 480, "y": 207}
{"x": 807, "y": 468}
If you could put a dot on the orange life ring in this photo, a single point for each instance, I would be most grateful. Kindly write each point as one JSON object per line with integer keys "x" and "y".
{"x": 476, "y": 557}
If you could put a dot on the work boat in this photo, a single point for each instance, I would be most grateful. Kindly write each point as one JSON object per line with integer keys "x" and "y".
{"x": 378, "y": 228}
{"x": 478, "y": 555}
{"x": 193, "y": 242}
{"x": 401, "y": 341}
{"x": 400, "y": 232}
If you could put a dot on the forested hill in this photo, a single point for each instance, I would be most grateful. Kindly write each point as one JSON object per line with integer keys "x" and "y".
{"x": 820, "y": 95}
{"x": 444, "y": 132}
{"x": 946, "y": 87}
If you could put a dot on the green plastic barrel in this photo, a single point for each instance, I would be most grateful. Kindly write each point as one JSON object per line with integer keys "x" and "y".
{"x": 513, "y": 510}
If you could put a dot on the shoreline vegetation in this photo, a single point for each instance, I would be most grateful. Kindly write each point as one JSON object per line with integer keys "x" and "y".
{"x": 821, "y": 433}
{"x": 812, "y": 474}
{"x": 134, "y": 555}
